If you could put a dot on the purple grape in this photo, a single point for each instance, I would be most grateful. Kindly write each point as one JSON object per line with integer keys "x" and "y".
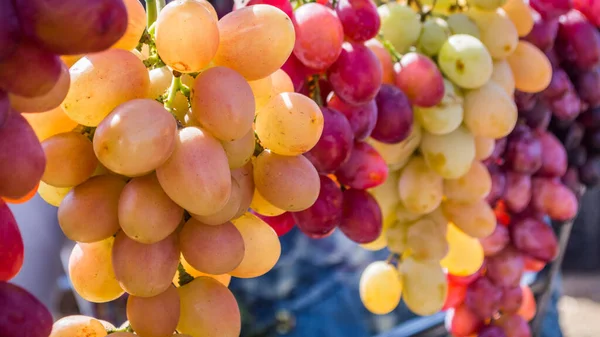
{"x": 512, "y": 298}
{"x": 578, "y": 41}
{"x": 10, "y": 33}
{"x": 420, "y": 79}
{"x": 525, "y": 100}
{"x": 571, "y": 180}
{"x": 587, "y": 85}
{"x": 491, "y": 331}
{"x": 498, "y": 184}
{"x": 496, "y": 241}
{"x": 356, "y": 74}
{"x": 499, "y": 148}
{"x": 335, "y": 145}
{"x": 571, "y": 137}
{"x": 325, "y": 214}
{"x": 589, "y": 173}
{"x": 518, "y": 191}
{"x": 361, "y": 216}
{"x": 553, "y": 58}
{"x": 539, "y": 117}
{"x": 362, "y": 118}
{"x": 359, "y": 19}
{"x": 558, "y": 86}
{"x": 524, "y": 150}
{"x": 514, "y": 325}
{"x": 592, "y": 141}
{"x": 534, "y": 238}
{"x": 4, "y": 106}
{"x": 21, "y": 314}
{"x": 543, "y": 33}
{"x": 553, "y": 198}
{"x": 577, "y": 156}
{"x": 554, "y": 156}
{"x": 567, "y": 107}
{"x": 365, "y": 168}
{"x": 550, "y": 9}
{"x": 506, "y": 268}
{"x": 483, "y": 297}
{"x": 394, "y": 115}
{"x": 590, "y": 119}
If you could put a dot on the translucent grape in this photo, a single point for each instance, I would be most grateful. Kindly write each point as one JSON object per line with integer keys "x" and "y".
{"x": 520, "y": 15}
{"x": 136, "y": 23}
{"x": 281, "y": 224}
{"x": 444, "y": 117}
{"x": 421, "y": 188}
{"x": 380, "y": 287}
{"x": 503, "y": 76}
{"x": 435, "y": 32}
{"x": 70, "y": 159}
{"x": 239, "y": 151}
{"x": 160, "y": 80}
{"x": 53, "y": 195}
{"x": 400, "y": 25}
{"x": 554, "y": 156}
{"x": 421, "y": 80}
{"x": 281, "y": 82}
{"x": 475, "y": 185}
{"x": 498, "y": 33}
{"x": 226, "y": 213}
{"x": 335, "y": 145}
{"x": 465, "y": 254}
{"x": 449, "y": 155}
{"x": 496, "y": 241}
{"x": 385, "y": 59}
{"x": 365, "y": 168}
{"x": 475, "y": 219}
{"x": 361, "y": 216}
{"x": 49, "y": 123}
{"x": 460, "y": 23}
{"x": 326, "y": 213}
{"x": 263, "y": 207}
{"x": 78, "y": 326}
{"x": 154, "y": 316}
{"x": 426, "y": 240}
{"x": 262, "y": 247}
{"x": 51, "y": 100}
{"x": 424, "y": 286}
{"x": 531, "y": 68}
{"x": 394, "y": 115}
{"x": 362, "y": 118}
{"x": 483, "y": 147}
{"x": 261, "y": 90}
{"x": 465, "y": 61}
{"x": 359, "y": 19}
{"x": 224, "y": 279}
{"x": 490, "y": 111}
{"x": 396, "y": 235}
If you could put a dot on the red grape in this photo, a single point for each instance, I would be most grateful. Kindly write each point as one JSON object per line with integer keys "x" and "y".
{"x": 539, "y": 117}
{"x": 550, "y": 9}
{"x": 465, "y": 280}
{"x": 296, "y": 71}
{"x": 553, "y": 57}
{"x": 506, "y": 268}
{"x": 543, "y": 33}
{"x": 10, "y": 33}
{"x": 534, "y": 238}
{"x": 335, "y": 145}
{"x": 496, "y": 241}
{"x": 284, "y": 5}
{"x": 4, "y": 106}
{"x": 554, "y": 198}
{"x": 21, "y": 314}
{"x": 518, "y": 191}
{"x": 587, "y": 84}
{"x": 11, "y": 244}
{"x": 514, "y": 326}
{"x": 483, "y": 298}
{"x": 567, "y": 107}
{"x": 498, "y": 184}
{"x": 281, "y": 224}
{"x": 590, "y": 119}
{"x": 559, "y": 84}
{"x": 361, "y": 216}
{"x": 359, "y": 19}
{"x": 524, "y": 150}
{"x": 419, "y": 77}
{"x": 528, "y": 306}
{"x": 394, "y": 115}
{"x": 532, "y": 264}
{"x": 590, "y": 8}
{"x": 462, "y": 321}
{"x": 356, "y": 74}
{"x": 577, "y": 156}
{"x": 326, "y": 213}
{"x": 491, "y": 331}
{"x": 365, "y": 168}
{"x": 512, "y": 299}
{"x": 554, "y": 156}
{"x": 573, "y": 136}
{"x": 362, "y": 118}
{"x": 578, "y": 41}
{"x": 589, "y": 173}
{"x": 571, "y": 180}
{"x": 456, "y": 295}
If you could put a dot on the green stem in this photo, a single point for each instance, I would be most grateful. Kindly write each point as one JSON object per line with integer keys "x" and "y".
{"x": 151, "y": 13}
{"x": 184, "y": 277}
{"x": 185, "y": 90}
{"x": 173, "y": 89}
{"x": 389, "y": 47}
{"x": 316, "y": 90}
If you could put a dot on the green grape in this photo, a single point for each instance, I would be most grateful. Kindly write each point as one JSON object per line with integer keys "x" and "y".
{"x": 421, "y": 188}
{"x": 401, "y": 25}
{"x": 397, "y": 155}
{"x": 459, "y": 23}
{"x": 449, "y": 155}
{"x": 424, "y": 286}
{"x": 488, "y": 5}
{"x": 498, "y": 33}
{"x": 427, "y": 240}
{"x": 435, "y": 32}
{"x": 396, "y": 237}
{"x": 465, "y": 61}
{"x": 444, "y": 117}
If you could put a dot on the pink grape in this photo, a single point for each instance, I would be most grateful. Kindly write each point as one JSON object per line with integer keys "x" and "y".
{"x": 567, "y": 107}
{"x": 284, "y": 5}
{"x": 587, "y": 84}
{"x": 491, "y": 331}
{"x": 465, "y": 280}
{"x": 359, "y": 19}
{"x": 498, "y": 184}
{"x": 525, "y": 100}
{"x": 10, "y": 32}
{"x": 296, "y": 71}
{"x": 553, "y": 57}
{"x": 578, "y": 41}
{"x": 518, "y": 191}
{"x": 571, "y": 180}
{"x": 319, "y": 36}
{"x": 514, "y": 325}
{"x": 543, "y": 33}
{"x": 512, "y": 298}
{"x": 419, "y": 77}
{"x": 506, "y": 268}
{"x": 4, "y": 106}
{"x": 281, "y": 224}
{"x": 534, "y": 238}
{"x": 554, "y": 156}
{"x": 539, "y": 117}
{"x": 483, "y": 297}
{"x": 361, "y": 216}
{"x": 326, "y": 213}
{"x": 356, "y": 74}
{"x": 456, "y": 295}
{"x": 590, "y": 8}
{"x": 21, "y": 314}
{"x": 589, "y": 173}
{"x": 335, "y": 145}
{"x": 559, "y": 84}
{"x": 550, "y": 9}
{"x": 496, "y": 241}
{"x": 364, "y": 169}
{"x": 553, "y": 198}
{"x": 524, "y": 150}
{"x": 462, "y": 321}
{"x": 394, "y": 115}
{"x": 362, "y": 118}
{"x": 11, "y": 250}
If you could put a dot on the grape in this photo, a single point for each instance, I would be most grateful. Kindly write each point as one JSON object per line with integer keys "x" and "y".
{"x": 10, "y": 32}
{"x": 450, "y": 155}
{"x": 535, "y": 238}
{"x": 52, "y": 195}
{"x": 4, "y": 106}
{"x": 388, "y": 198}
{"x": 136, "y": 23}
{"x": 196, "y": 151}
{"x": 574, "y": 135}
{"x": 456, "y": 295}
{"x": 207, "y": 308}
{"x": 571, "y": 178}
{"x": 566, "y": 108}
{"x": 589, "y": 173}
{"x": 424, "y": 286}
{"x": 483, "y": 147}
{"x": 359, "y": 19}
{"x": 70, "y": 159}
{"x": 420, "y": 79}
{"x": 420, "y": 187}
{"x": 550, "y": 10}
{"x": 100, "y": 82}
{"x": 465, "y": 254}
{"x": 29, "y": 71}
{"x": 297, "y": 119}
{"x": 502, "y": 75}
{"x": 362, "y": 118}
{"x": 460, "y": 23}
{"x": 465, "y": 61}
{"x": 296, "y": 71}
{"x": 462, "y": 321}
{"x": 512, "y": 299}
{"x": 280, "y": 82}
{"x": 319, "y": 36}
{"x": 531, "y": 68}
{"x": 539, "y": 117}
{"x": 395, "y": 236}
{"x": 525, "y": 100}
{"x": 91, "y": 271}
{"x": 224, "y": 279}
{"x": 434, "y": 34}
{"x": 211, "y": 249}
{"x": 326, "y": 213}
{"x": 426, "y": 240}
{"x": 380, "y": 287}
{"x": 240, "y": 151}
{"x": 483, "y": 298}
{"x": 475, "y": 219}
{"x": 514, "y": 325}
{"x": 490, "y": 111}
{"x": 521, "y": 15}
{"x": 394, "y": 115}
{"x": 495, "y": 242}
{"x": 400, "y": 25}
{"x": 471, "y": 187}
{"x": 491, "y": 331}
{"x": 12, "y": 249}
{"x": 262, "y": 247}
{"x": 518, "y": 191}
{"x": 543, "y": 32}
{"x": 554, "y": 198}
{"x": 361, "y": 216}
{"x": 524, "y": 151}
{"x": 22, "y": 314}
{"x": 284, "y": 5}
{"x": 79, "y": 326}
{"x": 154, "y": 316}
{"x": 586, "y": 83}
{"x": 356, "y": 74}
{"x": 397, "y": 155}
{"x": 554, "y": 156}
{"x": 160, "y": 80}
{"x": 335, "y": 145}
{"x": 365, "y": 168}
{"x": 145, "y": 270}
{"x": 444, "y": 117}
{"x": 528, "y": 306}
{"x": 263, "y": 207}
{"x": 261, "y": 89}
{"x": 282, "y": 223}
{"x": 226, "y": 213}
{"x": 498, "y": 34}
{"x": 21, "y": 155}
{"x": 51, "y": 100}
{"x": 559, "y": 85}
{"x": 498, "y": 184}
{"x": 385, "y": 59}
{"x": 505, "y": 269}
{"x": 589, "y": 9}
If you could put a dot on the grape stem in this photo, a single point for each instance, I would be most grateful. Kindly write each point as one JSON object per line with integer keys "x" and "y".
{"x": 316, "y": 90}
{"x": 173, "y": 89}
{"x": 151, "y": 12}
{"x": 184, "y": 276}
{"x": 389, "y": 47}
{"x": 127, "y": 328}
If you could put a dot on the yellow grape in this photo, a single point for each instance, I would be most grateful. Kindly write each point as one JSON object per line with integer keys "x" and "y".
{"x": 123, "y": 334}
{"x": 70, "y": 159}
{"x": 400, "y": 24}
{"x": 424, "y": 286}
{"x": 262, "y": 247}
{"x": 498, "y": 33}
{"x": 473, "y": 186}
{"x": 53, "y": 195}
{"x": 444, "y": 117}
{"x": 380, "y": 287}
{"x": 421, "y": 188}
{"x": 91, "y": 271}
{"x": 98, "y": 195}
{"x": 49, "y": 123}
{"x": 281, "y": 82}
{"x": 490, "y": 111}
{"x": 181, "y": 106}
{"x": 136, "y": 138}
{"x": 262, "y": 90}
{"x": 70, "y": 60}
{"x": 379, "y": 243}
{"x": 426, "y": 240}
{"x": 520, "y": 14}
{"x": 449, "y": 155}
{"x": 259, "y": 49}
{"x": 404, "y": 216}
{"x": 228, "y": 212}
{"x": 210, "y": 9}
{"x": 240, "y": 151}
{"x": 160, "y": 80}
{"x": 211, "y": 249}
{"x": 102, "y": 81}
{"x": 476, "y": 219}
{"x": 50, "y": 100}
{"x": 465, "y": 254}
{"x": 263, "y": 207}
{"x": 289, "y": 183}
{"x": 531, "y": 68}
{"x": 465, "y": 61}
{"x": 145, "y": 270}
{"x": 146, "y": 213}
{"x": 78, "y": 326}
{"x": 487, "y": 5}
{"x": 289, "y": 124}
{"x": 136, "y": 23}
{"x": 224, "y": 279}
{"x": 397, "y": 155}
{"x": 188, "y": 79}
{"x": 483, "y": 147}
{"x": 441, "y": 6}
{"x": 435, "y": 32}
{"x": 222, "y": 102}
{"x": 388, "y": 196}
{"x": 459, "y": 23}
{"x": 187, "y": 36}
{"x": 503, "y": 76}
{"x": 244, "y": 176}
{"x": 208, "y": 309}
{"x": 197, "y": 175}
{"x": 439, "y": 218}
{"x": 155, "y": 316}
{"x": 396, "y": 236}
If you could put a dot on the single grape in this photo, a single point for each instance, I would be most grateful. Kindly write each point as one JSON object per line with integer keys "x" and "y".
{"x": 261, "y": 206}
{"x": 512, "y": 299}
{"x": 326, "y": 213}
{"x": 497, "y": 31}
{"x": 518, "y": 191}
{"x": 534, "y": 238}
{"x": 400, "y": 24}
{"x": 578, "y": 41}
{"x": 361, "y": 216}
{"x": 419, "y": 78}
{"x": 12, "y": 251}
{"x": 424, "y": 286}
{"x": 335, "y": 145}
{"x": 586, "y": 83}
{"x": 240, "y": 151}
{"x": 524, "y": 151}
{"x": 475, "y": 219}
{"x": 521, "y": 15}
{"x": 79, "y": 326}
{"x": 456, "y": 295}
{"x": 484, "y": 147}
{"x": 53, "y": 195}
{"x": 282, "y": 223}
{"x": 154, "y": 316}
{"x": 51, "y": 100}
{"x": 499, "y": 117}
{"x": 554, "y": 198}
{"x": 460, "y": 23}
{"x": 495, "y": 242}
{"x": 427, "y": 240}
{"x": 359, "y": 19}
{"x": 554, "y": 156}
{"x": 434, "y": 34}
{"x": 228, "y": 212}
{"x": 394, "y": 115}
{"x": 380, "y": 287}
{"x": 539, "y": 117}
{"x": 450, "y": 155}
{"x": 365, "y": 168}
{"x": 505, "y": 269}
{"x": 514, "y": 325}
{"x": 483, "y": 298}
{"x": 498, "y": 184}
{"x": 22, "y": 314}
{"x": 421, "y": 188}
{"x": 362, "y": 118}
{"x": 589, "y": 9}
{"x": 503, "y": 76}
{"x": 284, "y": 5}
{"x": 281, "y": 82}
{"x": 262, "y": 247}
{"x": 261, "y": 90}
{"x": 462, "y": 321}
{"x": 70, "y": 159}
{"x": 465, "y": 254}
{"x": 385, "y": 59}
{"x": 531, "y": 68}
{"x": 471, "y": 187}
{"x": 465, "y": 61}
